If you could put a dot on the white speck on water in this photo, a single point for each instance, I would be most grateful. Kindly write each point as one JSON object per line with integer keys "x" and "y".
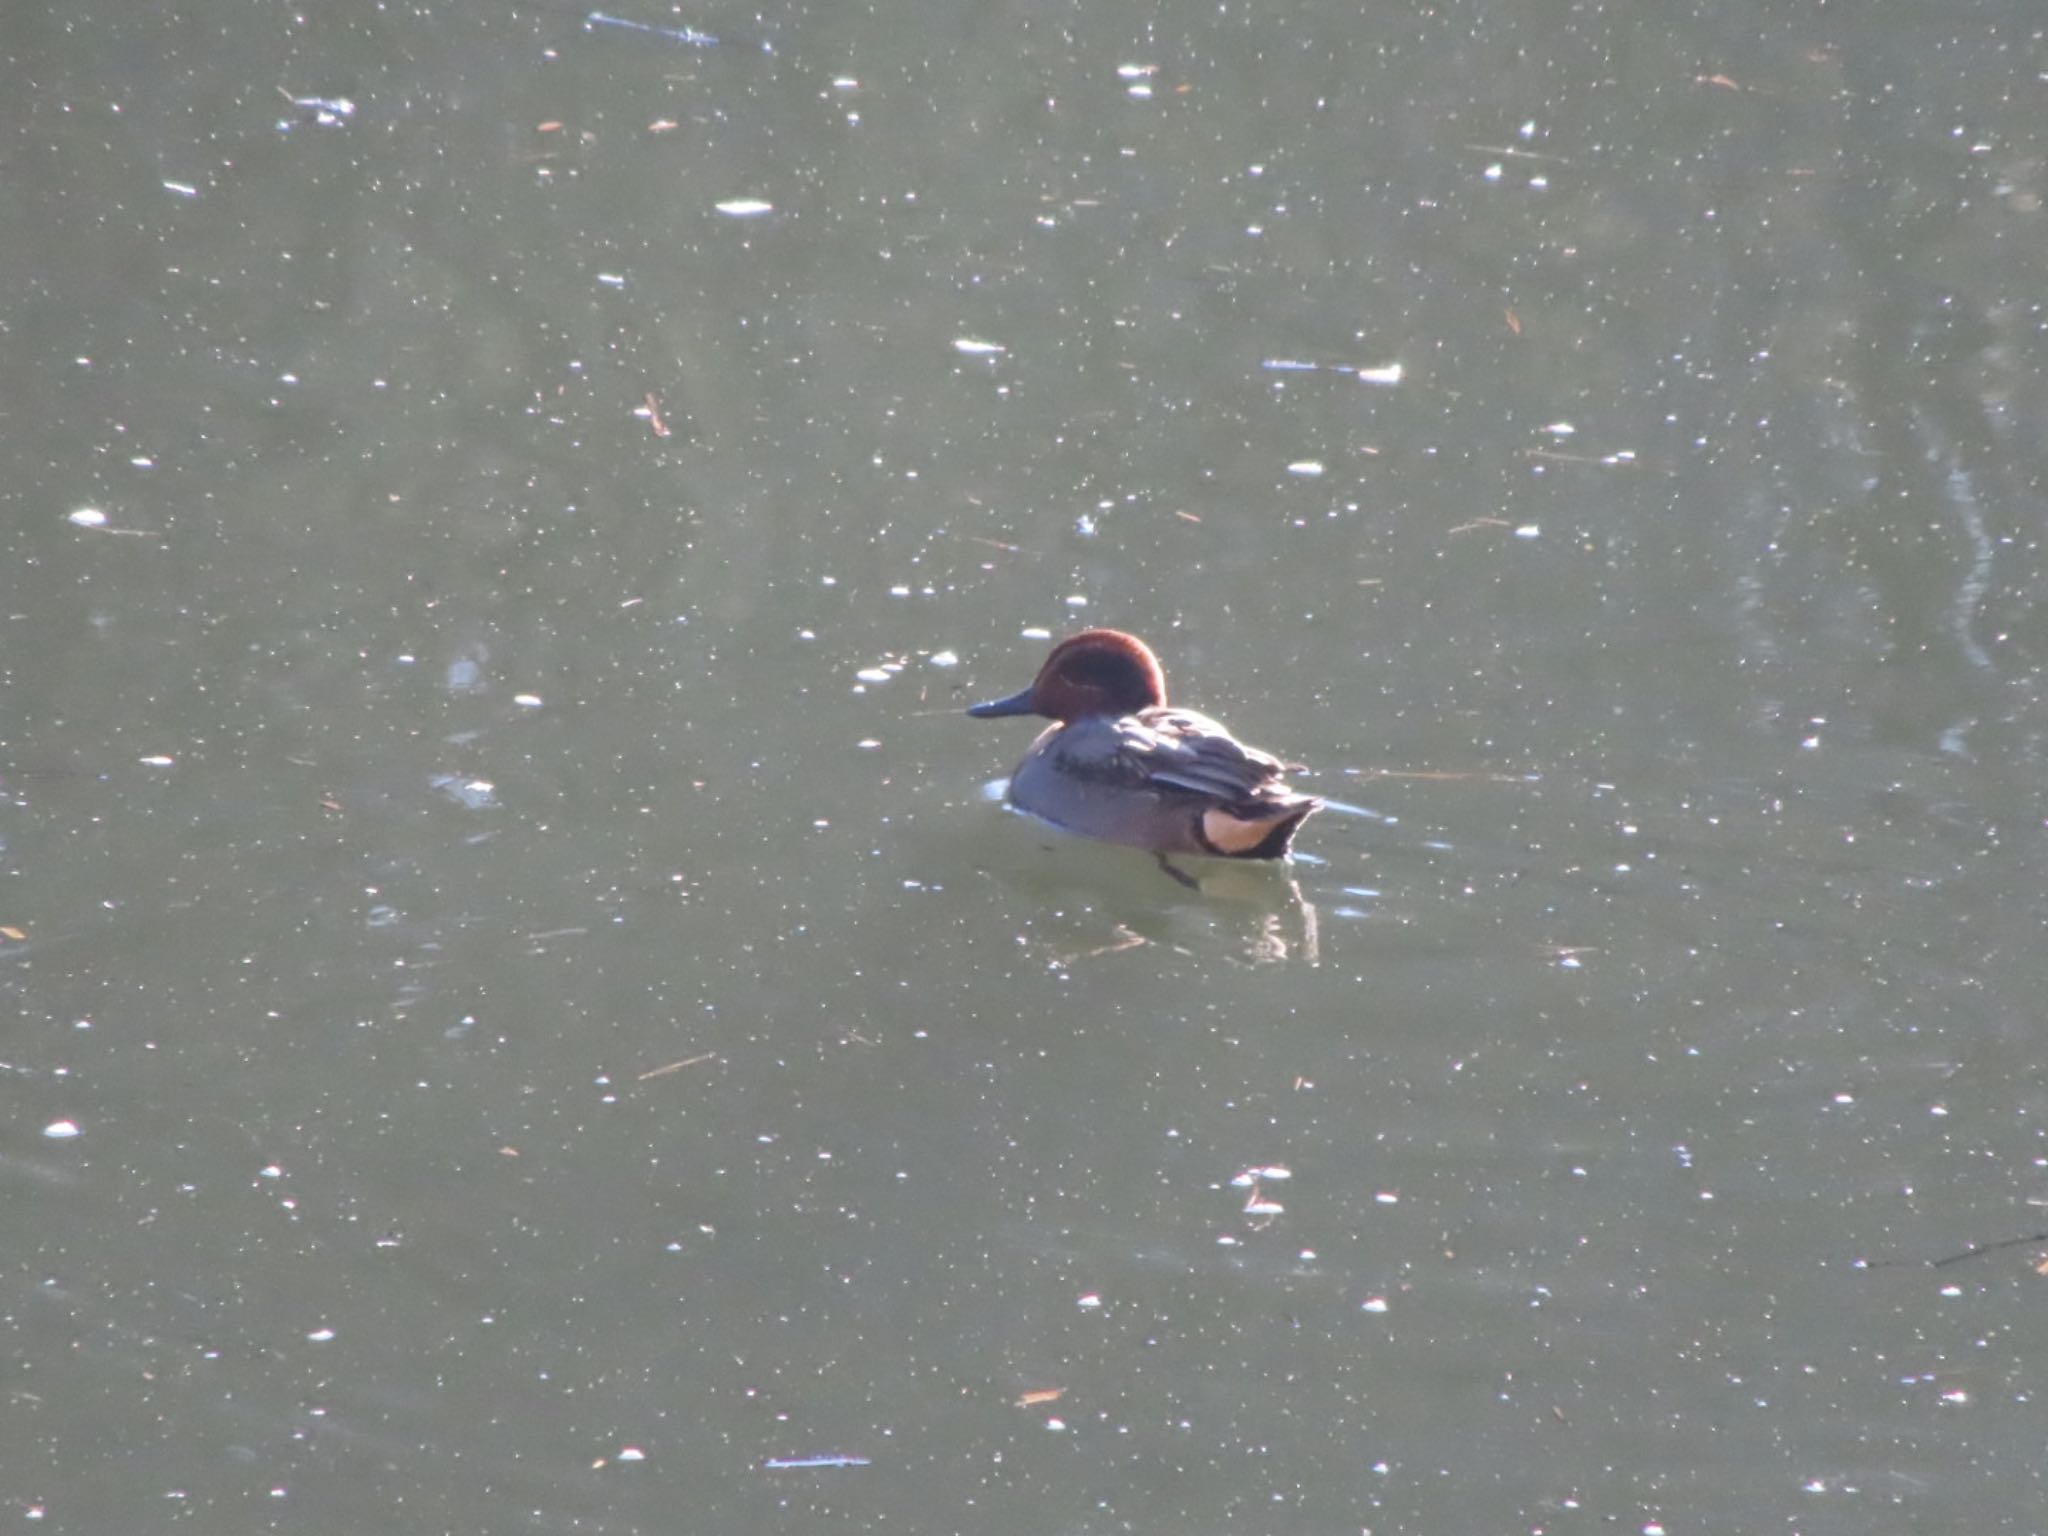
{"x": 1528, "y": 129}
{"x": 1529, "y": 531}
{"x": 1308, "y": 469}
{"x": 158, "y": 760}
{"x": 1076, "y": 600}
{"x": 873, "y": 675}
{"x": 1539, "y": 183}
{"x": 1386, "y": 1197}
{"x": 87, "y": 517}
{"x": 527, "y": 700}
{"x": 971, "y": 346}
{"x": 845, "y": 83}
{"x": 744, "y": 207}
{"x": 471, "y": 794}
{"x": 1388, "y": 375}
{"x": 1034, "y": 633}
{"x": 320, "y": 1336}
{"x": 1373, "y": 1304}
{"x": 612, "y": 279}
{"x": 1141, "y": 91}
{"x": 630, "y": 1453}
{"x": 944, "y": 659}
{"x": 1136, "y": 71}
{"x": 60, "y": 1130}
{"x": 142, "y": 461}
{"x": 1560, "y": 429}
{"x": 1089, "y": 1302}
{"x": 182, "y": 188}
{"x": 1493, "y": 171}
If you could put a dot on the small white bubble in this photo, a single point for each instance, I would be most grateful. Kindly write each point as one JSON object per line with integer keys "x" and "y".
{"x": 87, "y": 517}
{"x": 61, "y": 1130}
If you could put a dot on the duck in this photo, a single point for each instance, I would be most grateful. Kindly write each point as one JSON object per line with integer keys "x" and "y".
{"x": 1121, "y": 765}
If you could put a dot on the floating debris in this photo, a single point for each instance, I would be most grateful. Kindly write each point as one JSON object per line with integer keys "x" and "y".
{"x": 1387, "y": 374}
{"x": 689, "y": 35}
{"x": 969, "y": 346}
{"x": 328, "y": 111}
{"x": 806, "y": 1463}
{"x": 744, "y": 207}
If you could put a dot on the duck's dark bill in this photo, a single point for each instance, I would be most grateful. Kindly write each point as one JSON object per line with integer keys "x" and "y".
{"x": 1015, "y": 704}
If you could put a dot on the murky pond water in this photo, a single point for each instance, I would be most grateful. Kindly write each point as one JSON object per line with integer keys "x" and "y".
{"x": 521, "y": 1010}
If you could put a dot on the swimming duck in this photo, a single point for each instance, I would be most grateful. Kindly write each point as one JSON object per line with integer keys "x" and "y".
{"x": 1118, "y": 764}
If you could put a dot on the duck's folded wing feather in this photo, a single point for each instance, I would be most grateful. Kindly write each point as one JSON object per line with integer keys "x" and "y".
{"x": 1179, "y": 749}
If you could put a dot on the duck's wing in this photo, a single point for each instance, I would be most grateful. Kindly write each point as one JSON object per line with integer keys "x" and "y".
{"x": 1167, "y": 750}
